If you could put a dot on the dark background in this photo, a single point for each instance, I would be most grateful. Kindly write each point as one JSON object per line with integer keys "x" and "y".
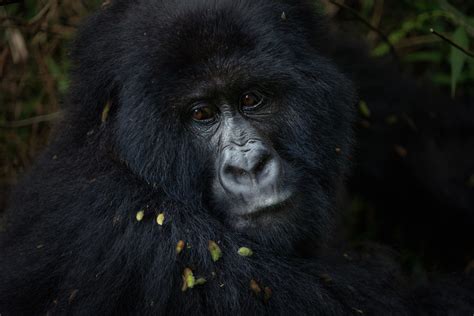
{"x": 34, "y": 64}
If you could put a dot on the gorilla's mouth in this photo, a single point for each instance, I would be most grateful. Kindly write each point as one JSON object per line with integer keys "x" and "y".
{"x": 265, "y": 204}
{"x": 271, "y": 210}
{"x": 264, "y": 214}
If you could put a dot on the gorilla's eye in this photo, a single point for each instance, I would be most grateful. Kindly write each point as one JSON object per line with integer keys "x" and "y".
{"x": 250, "y": 100}
{"x": 203, "y": 112}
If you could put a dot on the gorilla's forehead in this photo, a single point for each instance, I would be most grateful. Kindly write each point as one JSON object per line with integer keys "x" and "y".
{"x": 219, "y": 33}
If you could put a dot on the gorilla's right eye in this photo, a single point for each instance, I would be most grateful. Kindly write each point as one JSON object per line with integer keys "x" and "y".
{"x": 203, "y": 112}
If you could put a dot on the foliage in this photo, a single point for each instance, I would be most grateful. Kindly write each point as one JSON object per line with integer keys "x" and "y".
{"x": 407, "y": 26}
{"x": 34, "y": 65}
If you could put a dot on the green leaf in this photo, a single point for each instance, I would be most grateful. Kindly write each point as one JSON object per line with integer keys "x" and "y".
{"x": 189, "y": 281}
{"x": 140, "y": 215}
{"x": 200, "y": 281}
{"x": 457, "y": 57}
{"x": 215, "y": 250}
{"x": 245, "y": 252}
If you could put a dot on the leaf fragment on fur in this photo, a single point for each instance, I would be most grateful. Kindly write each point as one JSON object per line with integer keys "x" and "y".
{"x": 255, "y": 287}
{"x": 160, "y": 219}
{"x": 245, "y": 252}
{"x": 200, "y": 281}
{"x": 73, "y": 295}
{"x": 105, "y": 112}
{"x": 179, "y": 246}
{"x": 267, "y": 294}
{"x": 215, "y": 250}
{"x": 188, "y": 279}
{"x": 140, "y": 215}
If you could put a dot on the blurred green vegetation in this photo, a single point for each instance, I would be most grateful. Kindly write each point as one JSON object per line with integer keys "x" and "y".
{"x": 35, "y": 37}
{"x": 407, "y": 24}
{"x": 34, "y": 40}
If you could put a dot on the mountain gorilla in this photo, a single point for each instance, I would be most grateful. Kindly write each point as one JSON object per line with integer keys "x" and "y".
{"x": 196, "y": 172}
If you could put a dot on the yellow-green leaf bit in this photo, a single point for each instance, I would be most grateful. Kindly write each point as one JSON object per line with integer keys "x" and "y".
{"x": 179, "y": 246}
{"x": 160, "y": 219}
{"x": 200, "y": 281}
{"x": 140, "y": 215}
{"x": 215, "y": 250}
{"x": 245, "y": 252}
{"x": 188, "y": 279}
{"x": 105, "y": 112}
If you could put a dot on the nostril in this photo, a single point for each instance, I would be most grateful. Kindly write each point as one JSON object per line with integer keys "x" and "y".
{"x": 235, "y": 171}
{"x": 262, "y": 162}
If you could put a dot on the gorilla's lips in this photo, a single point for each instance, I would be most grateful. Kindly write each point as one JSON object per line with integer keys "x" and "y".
{"x": 260, "y": 205}
{"x": 277, "y": 205}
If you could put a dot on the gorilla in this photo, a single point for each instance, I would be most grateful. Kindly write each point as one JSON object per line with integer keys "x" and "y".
{"x": 197, "y": 172}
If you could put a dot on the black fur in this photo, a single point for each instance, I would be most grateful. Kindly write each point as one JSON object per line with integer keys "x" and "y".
{"x": 74, "y": 245}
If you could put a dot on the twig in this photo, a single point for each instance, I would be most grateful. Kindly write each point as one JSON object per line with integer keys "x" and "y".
{"x": 41, "y": 13}
{"x": 32, "y": 120}
{"x": 11, "y": 19}
{"x": 384, "y": 37}
{"x": 376, "y": 18}
{"x": 451, "y": 42}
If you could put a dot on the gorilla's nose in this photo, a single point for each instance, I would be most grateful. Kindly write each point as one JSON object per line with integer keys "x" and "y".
{"x": 249, "y": 169}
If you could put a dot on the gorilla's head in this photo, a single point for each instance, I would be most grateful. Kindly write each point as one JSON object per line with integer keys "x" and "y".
{"x": 226, "y": 105}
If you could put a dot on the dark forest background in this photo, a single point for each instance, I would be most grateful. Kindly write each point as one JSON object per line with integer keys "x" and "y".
{"x": 35, "y": 37}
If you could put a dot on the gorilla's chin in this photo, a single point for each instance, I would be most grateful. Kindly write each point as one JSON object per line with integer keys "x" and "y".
{"x": 276, "y": 228}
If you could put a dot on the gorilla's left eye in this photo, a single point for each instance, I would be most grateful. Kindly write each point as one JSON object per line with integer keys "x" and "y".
{"x": 250, "y": 100}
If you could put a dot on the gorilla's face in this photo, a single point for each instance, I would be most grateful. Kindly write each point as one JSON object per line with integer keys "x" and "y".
{"x": 239, "y": 114}
{"x": 239, "y": 125}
